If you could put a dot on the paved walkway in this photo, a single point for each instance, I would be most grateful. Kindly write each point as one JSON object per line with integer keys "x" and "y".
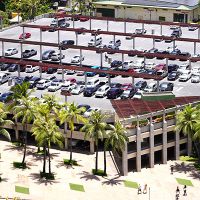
{"x": 162, "y": 183}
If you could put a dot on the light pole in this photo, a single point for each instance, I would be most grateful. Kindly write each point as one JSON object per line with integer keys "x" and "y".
{"x": 149, "y": 193}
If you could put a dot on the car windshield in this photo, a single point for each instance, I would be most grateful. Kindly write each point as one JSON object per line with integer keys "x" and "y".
{"x": 173, "y": 74}
{"x": 195, "y": 76}
{"x": 100, "y": 90}
{"x": 111, "y": 42}
{"x": 164, "y": 85}
{"x": 76, "y": 56}
{"x": 9, "y": 49}
{"x": 54, "y": 84}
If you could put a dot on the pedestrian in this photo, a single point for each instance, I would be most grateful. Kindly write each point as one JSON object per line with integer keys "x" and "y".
{"x": 177, "y": 190}
{"x": 185, "y": 190}
{"x": 177, "y": 196}
{"x": 106, "y": 57}
{"x": 172, "y": 169}
{"x": 139, "y": 189}
{"x": 145, "y": 189}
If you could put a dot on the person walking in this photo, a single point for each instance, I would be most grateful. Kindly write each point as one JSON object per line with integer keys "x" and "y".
{"x": 177, "y": 190}
{"x": 172, "y": 169}
{"x": 145, "y": 189}
{"x": 106, "y": 57}
{"x": 139, "y": 189}
{"x": 185, "y": 190}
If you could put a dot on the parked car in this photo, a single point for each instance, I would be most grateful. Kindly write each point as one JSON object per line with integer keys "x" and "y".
{"x": 115, "y": 85}
{"x": 116, "y": 43}
{"x": 162, "y": 73}
{"x": 60, "y": 71}
{"x": 116, "y": 63}
{"x": 166, "y": 86}
{"x": 42, "y": 84}
{"x": 4, "y": 77}
{"x": 5, "y": 96}
{"x": 102, "y": 91}
{"x": 160, "y": 66}
{"x": 71, "y": 80}
{"x": 66, "y": 42}
{"x": 55, "y": 85}
{"x": 47, "y": 54}
{"x": 13, "y": 67}
{"x": 138, "y": 94}
{"x": 139, "y": 63}
{"x": 80, "y": 32}
{"x": 114, "y": 93}
{"x": 57, "y": 56}
{"x": 151, "y": 87}
{"x": 140, "y": 31}
{"x": 88, "y": 92}
{"x": 29, "y": 53}
{"x": 172, "y": 67}
{"x": 77, "y": 59}
{"x": 33, "y": 81}
{"x": 192, "y": 28}
{"x": 25, "y": 35}
{"x": 64, "y": 25}
{"x": 70, "y": 72}
{"x": 195, "y": 70}
{"x": 85, "y": 107}
{"x": 183, "y": 67}
{"x": 103, "y": 74}
{"x": 11, "y": 51}
{"x": 78, "y": 89}
{"x": 173, "y": 76}
{"x": 51, "y": 70}
{"x": 140, "y": 85}
{"x": 67, "y": 86}
{"x": 185, "y": 76}
{"x": 31, "y": 68}
{"x": 128, "y": 64}
{"x": 95, "y": 42}
{"x": 89, "y": 111}
{"x": 127, "y": 94}
{"x": 83, "y": 19}
{"x": 5, "y": 66}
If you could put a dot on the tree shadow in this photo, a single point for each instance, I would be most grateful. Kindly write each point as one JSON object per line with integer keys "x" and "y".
{"x": 112, "y": 181}
{"x": 13, "y": 147}
{"x": 88, "y": 176}
{"x": 3, "y": 179}
{"x": 38, "y": 180}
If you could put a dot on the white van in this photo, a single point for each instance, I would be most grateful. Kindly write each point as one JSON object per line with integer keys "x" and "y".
{"x": 30, "y": 68}
{"x": 92, "y": 42}
{"x": 92, "y": 83}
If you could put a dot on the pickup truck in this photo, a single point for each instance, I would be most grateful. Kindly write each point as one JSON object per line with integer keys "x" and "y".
{"x": 4, "y": 77}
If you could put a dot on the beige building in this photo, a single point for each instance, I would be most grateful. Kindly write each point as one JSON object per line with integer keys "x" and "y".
{"x": 155, "y": 10}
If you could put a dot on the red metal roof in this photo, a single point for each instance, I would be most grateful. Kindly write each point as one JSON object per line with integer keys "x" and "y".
{"x": 126, "y": 108}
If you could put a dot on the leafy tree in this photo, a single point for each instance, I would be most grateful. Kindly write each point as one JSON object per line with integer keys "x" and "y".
{"x": 71, "y": 114}
{"x": 95, "y": 129}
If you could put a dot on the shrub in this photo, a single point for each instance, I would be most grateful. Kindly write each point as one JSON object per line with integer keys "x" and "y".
{"x": 0, "y": 178}
{"x": 70, "y": 162}
{"x": 99, "y": 172}
{"x": 48, "y": 176}
{"x": 19, "y": 165}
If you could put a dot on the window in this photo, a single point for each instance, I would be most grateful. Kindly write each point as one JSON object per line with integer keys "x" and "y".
{"x": 161, "y": 18}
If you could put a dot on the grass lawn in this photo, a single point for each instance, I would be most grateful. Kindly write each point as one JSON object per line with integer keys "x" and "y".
{"x": 188, "y": 158}
{"x": 76, "y": 187}
{"x": 99, "y": 172}
{"x": 131, "y": 184}
{"x": 72, "y": 162}
{"x": 184, "y": 182}
{"x": 20, "y": 189}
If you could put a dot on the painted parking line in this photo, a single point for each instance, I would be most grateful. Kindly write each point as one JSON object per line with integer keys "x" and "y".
{"x": 179, "y": 89}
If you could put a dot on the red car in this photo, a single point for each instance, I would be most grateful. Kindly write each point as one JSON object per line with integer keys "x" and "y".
{"x": 83, "y": 19}
{"x": 160, "y": 66}
{"x": 25, "y": 36}
{"x": 126, "y": 86}
{"x": 72, "y": 80}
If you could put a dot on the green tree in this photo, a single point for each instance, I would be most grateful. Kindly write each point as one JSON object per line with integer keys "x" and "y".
{"x": 116, "y": 138}
{"x": 25, "y": 111}
{"x": 71, "y": 114}
{"x": 46, "y": 132}
{"x": 95, "y": 129}
{"x": 188, "y": 122}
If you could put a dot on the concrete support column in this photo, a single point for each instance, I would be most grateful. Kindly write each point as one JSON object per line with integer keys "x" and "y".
{"x": 40, "y": 52}
{"x": 144, "y": 61}
{"x": 138, "y": 156}
{"x": 63, "y": 74}
{"x": 167, "y": 63}
{"x": 80, "y": 58}
{"x": 107, "y": 28}
{"x": 58, "y": 36}
{"x": 177, "y": 147}
{"x": 199, "y": 33}
{"x": 91, "y": 146}
{"x": 90, "y": 23}
{"x": 164, "y": 137}
{"x": 109, "y": 80}
{"x": 195, "y": 47}
{"x": 21, "y": 49}
{"x": 1, "y": 23}
{"x": 73, "y": 22}
{"x": 122, "y": 58}
{"x": 174, "y": 45}
{"x": 2, "y": 49}
{"x": 158, "y": 82}
{"x": 161, "y": 29}
{"x": 40, "y": 35}
{"x": 151, "y": 140}
{"x": 85, "y": 76}
{"x": 133, "y": 81}
{"x": 153, "y": 43}
{"x": 142, "y": 26}
{"x": 101, "y": 59}
{"x": 23, "y": 31}
{"x": 18, "y": 71}
{"x": 125, "y": 27}
{"x": 190, "y": 64}
{"x": 76, "y": 38}
{"x": 40, "y": 72}
{"x": 125, "y": 161}
{"x": 133, "y": 42}
{"x": 189, "y": 146}
{"x": 114, "y": 38}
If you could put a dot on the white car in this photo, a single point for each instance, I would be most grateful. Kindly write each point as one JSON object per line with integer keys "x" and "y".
{"x": 59, "y": 71}
{"x": 67, "y": 86}
{"x": 80, "y": 73}
{"x": 138, "y": 64}
{"x": 183, "y": 67}
{"x": 30, "y": 68}
{"x": 70, "y": 72}
{"x": 11, "y": 51}
{"x": 54, "y": 86}
{"x": 4, "y": 77}
{"x": 102, "y": 91}
{"x": 185, "y": 76}
{"x": 195, "y": 70}
{"x": 150, "y": 65}
{"x": 57, "y": 56}
{"x": 89, "y": 111}
{"x": 195, "y": 79}
{"x": 77, "y": 59}
{"x": 128, "y": 65}
{"x": 138, "y": 94}
{"x": 42, "y": 84}
{"x": 78, "y": 89}
{"x": 151, "y": 87}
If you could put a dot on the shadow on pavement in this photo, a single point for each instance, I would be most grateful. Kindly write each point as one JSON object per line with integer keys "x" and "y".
{"x": 112, "y": 181}
{"x": 88, "y": 176}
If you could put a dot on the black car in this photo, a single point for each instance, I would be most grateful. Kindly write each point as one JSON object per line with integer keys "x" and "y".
{"x": 114, "y": 93}
{"x": 88, "y": 92}
{"x": 53, "y": 28}
{"x": 115, "y": 85}
{"x": 140, "y": 85}
{"x": 116, "y": 63}
{"x": 150, "y": 71}
{"x": 103, "y": 74}
{"x": 5, "y": 96}
{"x": 66, "y": 42}
{"x": 172, "y": 67}
{"x": 18, "y": 80}
{"x": 13, "y": 67}
{"x": 127, "y": 94}
{"x": 173, "y": 76}
{"x": 166, "y": 86}
{"x": 33, "y": 81}
{"x": 80, "y": 82}
{"x": 153, "y": 50}
{"x": 51, "y": 70}
{"x": 80, "y": 32}
{"x": 185, "y": 54}
{"x": 5, "y": 66}
{"x": 29, "y": 53}
{"x": 175, "y": 52}
{"x": 47, "y": 54}
{"x": 64, "y": 25}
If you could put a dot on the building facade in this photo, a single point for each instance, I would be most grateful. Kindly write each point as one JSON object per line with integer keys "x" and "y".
{"x": 166, "y": 10}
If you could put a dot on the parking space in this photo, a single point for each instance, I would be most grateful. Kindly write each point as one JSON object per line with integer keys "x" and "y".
{"x": 92, "y": 58}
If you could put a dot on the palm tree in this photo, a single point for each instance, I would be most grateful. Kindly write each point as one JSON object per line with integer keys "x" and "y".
{"x": 95, "y": 129}
{"x": 71, "y": 114}
{"x": 25, "y": 111}
{"x": 46, "y": 132}
{"x": 116, "y": 138}
{"x": 187, "y": 122}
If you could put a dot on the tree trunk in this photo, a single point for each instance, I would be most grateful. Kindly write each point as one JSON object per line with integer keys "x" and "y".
{"x": 197, "y": 151}
{"x": 96, "y": 164}
{"x": 25, "y": 142}
{"x": 104, "y": 161}
{"x": 49, "y": 160}
{"x": 71, "y": 146}
{"x": 44, "y": 159}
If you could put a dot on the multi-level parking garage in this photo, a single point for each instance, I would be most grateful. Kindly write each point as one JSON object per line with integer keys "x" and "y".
{"x": 110, "y": 30}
